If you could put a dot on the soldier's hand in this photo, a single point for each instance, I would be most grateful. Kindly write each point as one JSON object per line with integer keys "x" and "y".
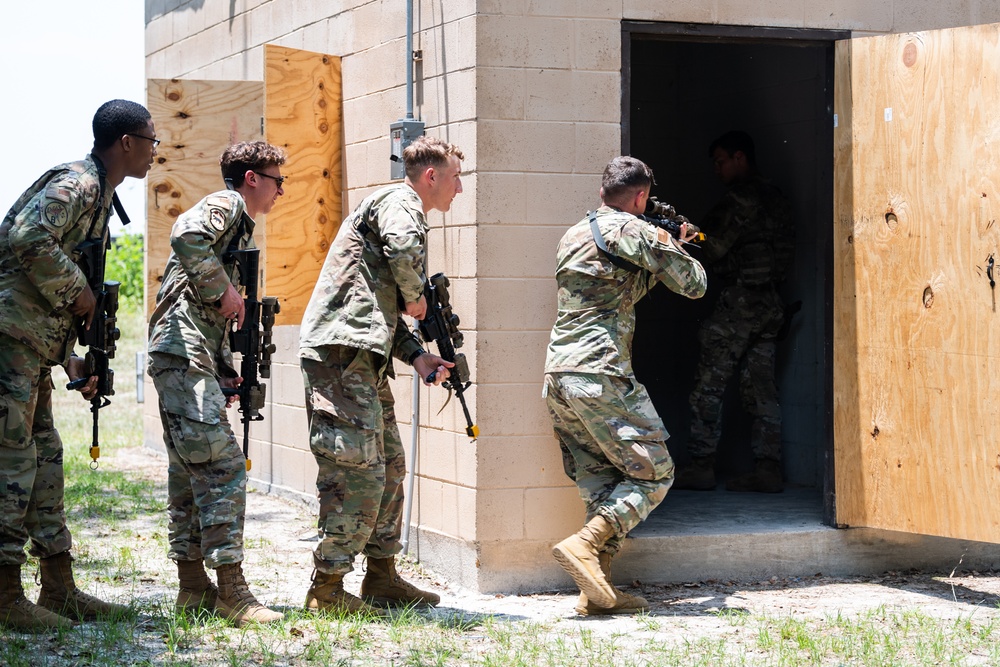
{"x": 688, "y": 232}
{"x": 231, "y": 306}
{"x": 76, "y": 369}
{"x": 428, "y": 363}
{"x": 84, "y": 305}
{"x": 417, "y": 309}
{"x": 231, "y": 383}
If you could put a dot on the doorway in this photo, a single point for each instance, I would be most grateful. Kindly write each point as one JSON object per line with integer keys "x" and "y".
{"x": 684, "y": 85}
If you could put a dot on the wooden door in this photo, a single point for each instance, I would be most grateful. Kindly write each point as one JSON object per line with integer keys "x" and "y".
{"x": 297, "y": 107}
{"x": 916, "y": 325}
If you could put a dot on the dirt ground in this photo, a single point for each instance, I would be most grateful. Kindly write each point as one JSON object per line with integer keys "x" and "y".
{"x": 280, "y": 536}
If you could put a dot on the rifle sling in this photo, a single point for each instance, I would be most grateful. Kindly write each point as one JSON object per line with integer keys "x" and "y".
{"x": 603, "y": 247}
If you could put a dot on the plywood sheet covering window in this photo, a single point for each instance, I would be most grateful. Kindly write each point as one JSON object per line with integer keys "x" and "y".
{"x": 195, "y": 121}
{"x": 303, "y": 115}
{"x": 916, "y": 326}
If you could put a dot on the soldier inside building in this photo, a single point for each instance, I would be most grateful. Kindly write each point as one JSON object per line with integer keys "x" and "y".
{"x": 613, "y": 441}
{"x": 750, "y": 238}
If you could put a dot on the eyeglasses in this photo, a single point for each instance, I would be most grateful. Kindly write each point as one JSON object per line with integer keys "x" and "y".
{"x": 156, "y": 142}
{"x": 280, "y": 180}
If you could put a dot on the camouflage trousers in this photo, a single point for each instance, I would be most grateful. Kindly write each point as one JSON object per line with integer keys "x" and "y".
{"x": 206, "y": 470}
{"x": 739, "y": 334}
{"x": 613, "y": 446}
{"x": 354, "y": 437}
{"x": 31, "y": 458}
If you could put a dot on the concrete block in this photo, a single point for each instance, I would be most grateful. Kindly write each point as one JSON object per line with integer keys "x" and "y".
{"x": 375, "y": 69}
{"x": 452, "y": 250}
{"x": 500, "y": 514}
{"x": 289, "y": 427}
{"x": 527, "y": 147}
{"x": 929, "y": 15}
{"x": 446, "y": 47}
{"x": 598, "y": 45}
{"x": 450, "y": 97}
{"x": 693, "y": 11}
{"x": 527, "y": 252}
{"x": 501, "y": 93}
{"x": 445, "y": 456}
{"x": 552, "y": 513}
{"x": 534, "y": 300}
{"x": 511, "y": 356}
{"x": 567, "y": 95}
{"x": 503, "y": 197}
{"x": 286, "y": 386}
{"x": 788, "y": 13}
{"x": 448, "y": 508}
{"x": 562, "y": 200}
{"x": 522, "y": 41}
{"x": 510, "y": 409}
{"x": 574, "y": 9}
{"x": 596, "y": 144}
{"x": 158, "y": 35}
{"x": 529, "y": 462}
{"x": 435, "y": 12}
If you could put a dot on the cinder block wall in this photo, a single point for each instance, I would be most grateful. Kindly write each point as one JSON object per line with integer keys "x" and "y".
{"x": 531, "y": 91}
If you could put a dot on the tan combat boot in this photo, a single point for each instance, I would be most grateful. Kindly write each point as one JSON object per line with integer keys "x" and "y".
{"x": 327, "y": 594}
{"x": 382, "y": 586}
{"x": 197, "y": 591}
{"x": 765, "y": 478}
{"x": 236, "y": 603}
{"x": 17, "y": 613}
{"x": 578, "y": 555}
{"x": 698, "y": 475}
{"x": 625, "y": 603}
{"x": 60, "y": 594}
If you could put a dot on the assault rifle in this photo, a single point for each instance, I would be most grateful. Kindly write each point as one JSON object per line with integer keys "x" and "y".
{"x": 101, "y": 335}
{"x": 440, "y": 324}
{"x": 666, "y": 216}
{"x": 253, "y": 342}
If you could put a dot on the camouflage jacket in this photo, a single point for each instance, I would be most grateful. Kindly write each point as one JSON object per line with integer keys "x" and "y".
{"x": 378, "y": 255}
{"x": 750, "y": 235}
{"x": 596, "y": 299}
{"x": 39, "y": 276}
{"x": 185, "y": 321}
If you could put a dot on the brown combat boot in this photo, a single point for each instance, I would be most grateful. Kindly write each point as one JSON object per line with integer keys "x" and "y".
{"x": 625, "y": 603}
{"x": 698, "y": 475}
{"x": 235, "y": 602}
{"x": 18, "y": 613}
{"x": 327, "y": 594}
{"x": 382, "y": 586}
{"x": 579, "y": 555}
{"x": 60, "y": 594}
{"x": 765, "y": 478}
{"x": 197, "y": 591}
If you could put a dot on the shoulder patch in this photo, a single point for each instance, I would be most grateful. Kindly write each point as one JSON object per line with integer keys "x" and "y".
{"x": 217, "y": 218}
{"x": 219, "y": 201}
{"x": 55, "y": 213}
{"x": 663, "y": 236}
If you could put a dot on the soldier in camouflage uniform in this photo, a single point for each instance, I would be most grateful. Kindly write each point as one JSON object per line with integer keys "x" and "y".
{"x": 749, "y": 245}
{"x": 43, "y": 295}
{"x": 612, "y": 440}
{"x": 191, "y": 363}
{"x": 350, "y": 331}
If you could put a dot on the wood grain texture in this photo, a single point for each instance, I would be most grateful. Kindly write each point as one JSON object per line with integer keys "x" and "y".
{"x": 303, "y": 115}
{"x": 195, "y": 121}
{"x": 916, "y": 340}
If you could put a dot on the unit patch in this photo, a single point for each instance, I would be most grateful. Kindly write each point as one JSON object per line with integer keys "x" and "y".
{"x": 218, "y": 219}
{"x": 55, "y": 213}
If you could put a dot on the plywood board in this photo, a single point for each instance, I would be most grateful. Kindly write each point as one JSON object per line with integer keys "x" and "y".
{"x": 303, "y": 115}
{"x": 195, "y": 121}
{"x": 916, "y": 337}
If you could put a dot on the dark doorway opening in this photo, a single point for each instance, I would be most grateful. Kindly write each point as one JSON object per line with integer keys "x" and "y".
{"x": 684, "y": 85}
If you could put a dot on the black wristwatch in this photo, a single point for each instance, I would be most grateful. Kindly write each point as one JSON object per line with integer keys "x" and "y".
{"x": 413, "y": 357}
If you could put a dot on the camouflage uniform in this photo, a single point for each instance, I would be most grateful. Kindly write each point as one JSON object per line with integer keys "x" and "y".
{"x": 39, "y": 280}
{"x": 749, "y": 247}
{"x": 350, "y": 330}
{"x": 612, "y": 440}
{"x": 188, "y": 354}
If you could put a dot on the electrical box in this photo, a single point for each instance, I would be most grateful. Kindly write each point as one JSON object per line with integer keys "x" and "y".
{"x": 401, "y": 134}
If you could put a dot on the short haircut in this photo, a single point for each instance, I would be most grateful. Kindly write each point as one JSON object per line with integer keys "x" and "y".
{"x": 426, "y": 152}
{"x": 117, "y": 118}
{"x": 246, "y": 156}
{"x": 625, "y": 174}
{"x": 735, "y": 140}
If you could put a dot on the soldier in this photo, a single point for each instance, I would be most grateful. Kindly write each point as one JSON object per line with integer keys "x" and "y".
{"x": 612, "y": 440}
{"x": 749, "y": 245}
{"x": 191, "y": 363}
{"x": 351, "y": 329}
{"x": 43, "y": 293}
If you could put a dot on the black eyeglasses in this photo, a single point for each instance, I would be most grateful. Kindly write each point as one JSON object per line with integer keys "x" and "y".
{"x": 156, "y": 142}
{"x": 280, "y": 180}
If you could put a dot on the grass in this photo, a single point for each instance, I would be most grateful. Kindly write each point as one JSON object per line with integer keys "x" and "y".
{"x": 120, "y": 523}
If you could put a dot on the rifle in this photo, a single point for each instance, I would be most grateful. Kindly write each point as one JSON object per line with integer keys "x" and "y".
{"x": 253, "y": 342}
{"x": 101, "y": 335}
{"x": 440, "y": 325}
{"x": 666, "y": 216}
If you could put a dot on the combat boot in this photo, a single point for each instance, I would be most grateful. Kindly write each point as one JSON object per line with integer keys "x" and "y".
{"x": 382, "y": 586}
{"x": 625, "y": 603}
{"x": 698, "y": 475}
{"x": 579, "y": 555}
{"x": 60, "y": 594}
{"x": 235, "y": 602}
{"x": 18, "y": 613}
{"x": 197, "y": 591}
{"x": 765, "y": 478}
{"x": 327, "y": 594}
